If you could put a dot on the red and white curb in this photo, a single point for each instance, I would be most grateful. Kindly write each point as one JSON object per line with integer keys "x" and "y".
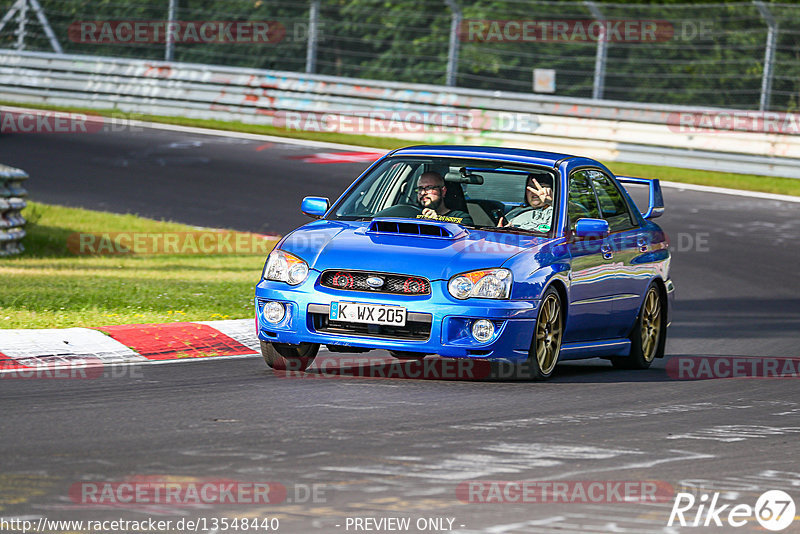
{"x": 22, "y": 349}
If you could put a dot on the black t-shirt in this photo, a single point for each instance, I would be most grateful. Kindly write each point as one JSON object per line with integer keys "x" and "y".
{"x": 453, "y": 216}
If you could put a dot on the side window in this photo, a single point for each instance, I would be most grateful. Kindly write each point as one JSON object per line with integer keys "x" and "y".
{"x": 613, "y": 207}
{"x": 582, "y": 203}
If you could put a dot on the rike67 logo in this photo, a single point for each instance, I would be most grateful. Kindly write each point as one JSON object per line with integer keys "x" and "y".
{"x": 774, "y": 510}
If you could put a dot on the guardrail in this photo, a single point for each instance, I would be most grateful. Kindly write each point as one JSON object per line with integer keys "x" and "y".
{"x": 607, "y": 130}
{"x": 12, "y": 223}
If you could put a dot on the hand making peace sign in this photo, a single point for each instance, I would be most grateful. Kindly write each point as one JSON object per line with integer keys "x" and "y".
{"x": 544, "y": 194}
{"x": 537, "y": 197}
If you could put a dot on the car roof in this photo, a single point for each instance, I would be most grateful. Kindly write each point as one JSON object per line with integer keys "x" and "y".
{"x": 518, "y": 155}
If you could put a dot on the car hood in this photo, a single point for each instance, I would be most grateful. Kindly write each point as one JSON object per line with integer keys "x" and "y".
{"x": 350, "y": 245}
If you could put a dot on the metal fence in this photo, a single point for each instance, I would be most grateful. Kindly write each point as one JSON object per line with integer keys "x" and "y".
{"x": 742, "y": 55}
{"x": 607, "y": 130}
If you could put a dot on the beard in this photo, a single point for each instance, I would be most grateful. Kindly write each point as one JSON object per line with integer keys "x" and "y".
{"x": 431, "y": 203}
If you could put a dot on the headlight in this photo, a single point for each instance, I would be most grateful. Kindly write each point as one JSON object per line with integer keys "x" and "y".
{"x": 284, "y": 267}
{"x": 486, "y": 284}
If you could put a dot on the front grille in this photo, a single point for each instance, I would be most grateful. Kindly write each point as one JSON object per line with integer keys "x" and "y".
{"x": 417, "y": 327}
{"x": 398, "y": 284}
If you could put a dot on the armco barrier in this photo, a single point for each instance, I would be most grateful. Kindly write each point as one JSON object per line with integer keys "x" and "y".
{"x": 12, "y": 223}
{"x": 612, "y": 131}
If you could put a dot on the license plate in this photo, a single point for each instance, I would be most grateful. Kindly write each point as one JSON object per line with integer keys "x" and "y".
{"x": 354, "y": 312}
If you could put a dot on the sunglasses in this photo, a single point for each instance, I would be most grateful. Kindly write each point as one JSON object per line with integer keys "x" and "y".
{"x": 427, "y": 188}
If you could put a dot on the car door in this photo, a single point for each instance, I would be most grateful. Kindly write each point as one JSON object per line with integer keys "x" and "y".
{"x": 592, "y": 272}
{"x": 628, "y": 242}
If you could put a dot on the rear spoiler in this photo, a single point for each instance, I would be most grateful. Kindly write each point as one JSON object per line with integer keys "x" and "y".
{"x": 656, "y": 199}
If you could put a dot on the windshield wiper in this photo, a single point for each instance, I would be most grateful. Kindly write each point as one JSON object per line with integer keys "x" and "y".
{"x": 358, "y": 218}
{"x": 511, "y": 230}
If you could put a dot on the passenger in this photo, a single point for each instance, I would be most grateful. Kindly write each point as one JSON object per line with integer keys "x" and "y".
{"x": 430, "y": 194}
{"x": 537, "y": 213}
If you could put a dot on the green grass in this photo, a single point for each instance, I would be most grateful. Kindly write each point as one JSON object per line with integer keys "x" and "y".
{"x": 749, "y": 182}
{"x": 50, "y": 287}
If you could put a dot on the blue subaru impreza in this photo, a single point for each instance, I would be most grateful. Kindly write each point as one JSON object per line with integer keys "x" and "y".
{"x": 484, "y": 253}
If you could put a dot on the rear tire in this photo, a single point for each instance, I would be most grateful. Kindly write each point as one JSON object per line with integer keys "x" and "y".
{"x": 285, "y": 357}
{"x": 547, "y": 336}
{"x": 649, "y": 333}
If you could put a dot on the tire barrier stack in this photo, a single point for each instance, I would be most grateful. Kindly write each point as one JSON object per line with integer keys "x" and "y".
{"x": 12, "y": 202}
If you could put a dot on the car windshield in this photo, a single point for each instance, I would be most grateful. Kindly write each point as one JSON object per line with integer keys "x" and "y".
{"x": 474, "y": 193}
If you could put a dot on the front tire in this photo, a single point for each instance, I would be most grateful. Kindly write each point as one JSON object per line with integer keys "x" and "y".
{"x": 649, "y": 333}
{"x": 547, "y": 336}
{"x": 285, "y": 357}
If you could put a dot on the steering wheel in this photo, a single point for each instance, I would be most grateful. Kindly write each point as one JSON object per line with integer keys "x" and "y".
{"x": 400, "y": 210}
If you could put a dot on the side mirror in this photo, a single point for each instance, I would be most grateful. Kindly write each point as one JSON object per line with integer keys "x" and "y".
{"x": 314, "y": 206}
{"x": 591, "y": 228}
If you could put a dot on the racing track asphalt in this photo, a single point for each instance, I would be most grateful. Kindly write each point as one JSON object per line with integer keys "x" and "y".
{"x": 394, "y": 447}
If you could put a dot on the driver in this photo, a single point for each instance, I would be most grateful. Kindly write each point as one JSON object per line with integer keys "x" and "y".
{"x": 537, "y": 213}
{"x": 430, "y": 194}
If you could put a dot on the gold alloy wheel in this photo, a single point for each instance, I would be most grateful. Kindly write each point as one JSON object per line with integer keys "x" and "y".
{"x": 651, "y": 324}
{"x": 548, "y": 334}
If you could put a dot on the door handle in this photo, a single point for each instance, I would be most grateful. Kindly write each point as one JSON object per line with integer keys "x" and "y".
{"x": 606, "y": 250}
{"x": 641, "y": 242}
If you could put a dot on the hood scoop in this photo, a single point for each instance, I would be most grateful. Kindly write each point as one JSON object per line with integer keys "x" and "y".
{"x": 420, "y": 228}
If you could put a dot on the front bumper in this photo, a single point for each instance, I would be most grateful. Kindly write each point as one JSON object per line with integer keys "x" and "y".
{"x": 437, "y": 323}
